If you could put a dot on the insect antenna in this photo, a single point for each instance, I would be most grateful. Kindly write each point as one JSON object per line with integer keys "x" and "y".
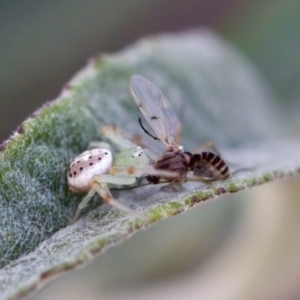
{"x": 146, "y": 131}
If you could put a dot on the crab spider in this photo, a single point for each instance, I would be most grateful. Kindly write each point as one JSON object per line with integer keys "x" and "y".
{"x": 93, "y": 170}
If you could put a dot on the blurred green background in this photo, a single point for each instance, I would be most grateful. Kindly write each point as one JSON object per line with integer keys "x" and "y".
{"x": 42, "y": 44}
{"x": 251, "y": 239}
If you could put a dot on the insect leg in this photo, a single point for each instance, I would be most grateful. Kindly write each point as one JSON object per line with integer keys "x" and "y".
{"x": 173, "y": 186}
{"x": 205, "y": 146}
{"x": 192, "y": 177}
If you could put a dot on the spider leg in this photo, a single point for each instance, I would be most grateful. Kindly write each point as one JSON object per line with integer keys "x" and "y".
{"x": 139, "y": 171}
{"x": 121, "y": 138}
{"x": 103, "y": 190}
{"x": 124, "y": 140}
{"x": 99, "y": 186}
{"x": 151, "y": 154}
{"x": 82, "y": 205}
{"x": 116, "y": 180}
{"x": 97, "y": 144}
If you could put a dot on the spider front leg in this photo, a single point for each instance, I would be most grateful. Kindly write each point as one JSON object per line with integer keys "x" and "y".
{"x": 121, "y": 138}
{"x": 97, "y": 144}
{"x": 99, "y": 185}
{"x": 140, "y": 170}
{"x": 125, "y": 140}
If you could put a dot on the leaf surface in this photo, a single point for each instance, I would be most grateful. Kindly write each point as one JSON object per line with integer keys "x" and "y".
{"x": 217, "y": 94}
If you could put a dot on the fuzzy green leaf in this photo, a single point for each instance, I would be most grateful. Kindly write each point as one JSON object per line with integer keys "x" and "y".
{"x": 218, "y": 95}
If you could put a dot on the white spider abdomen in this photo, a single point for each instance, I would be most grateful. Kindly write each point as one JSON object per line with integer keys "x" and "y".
{"x": 85, "y": 166}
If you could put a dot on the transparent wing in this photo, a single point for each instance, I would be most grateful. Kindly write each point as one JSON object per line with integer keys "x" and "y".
{"x": 156, "y": 109}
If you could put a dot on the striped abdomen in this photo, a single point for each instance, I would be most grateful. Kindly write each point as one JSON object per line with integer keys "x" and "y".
{"x": 209, "y": 165}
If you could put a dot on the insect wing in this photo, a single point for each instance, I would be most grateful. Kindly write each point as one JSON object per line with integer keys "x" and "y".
{"x": 156, "y": 109}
